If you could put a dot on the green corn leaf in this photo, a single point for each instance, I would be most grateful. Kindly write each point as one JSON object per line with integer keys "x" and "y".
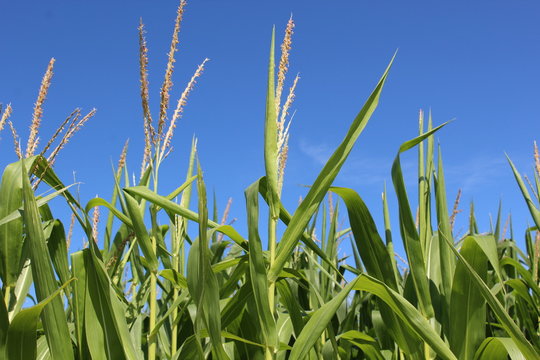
{"x": 235, "y": 307}
{"x": 174, "y": 208}
{"x": 22, "y": 288}
{"x": 488, "y": 245}
{"x": 291, "y": 304}
{"x": 191, "y": 349}
{"x": 201, "y": 280}
{"x": 447, "y": 261}
{"x": 318, "y": 322}
{"x": 330, "y": 247}
{"x": 178, "y": 247}
{"x": 410, "y": 316}
{"x": 178, "y": 304}
{"x": 467, "y": 305}
{"x": 226, "y": 264}
{"x": 270, "y": 136}
{"x": 4, "y": 324}
{"x": 411, "y": 239}
{"x": 105, "y": 324}
{"x": 497, "y": 230}
{"x": 366, "y": 343}
{"x": 285, "y": 217}
{"x": 257, "y": 268}
{"x": 53, "y": 316}
{"x": 58, "y": 251}
{"x": 228, "y": 335}
{"x": 42, "y": 201}
{"x": 11, "y": 225}
{"x": 43, "y": 170}
{"x": 535, "y": 213}
{"x": 42, "y": 351}
{"x": 498, "y": 348}
{"x": 78, "y": 297}
{"x": 116, "y": 191}
{"x": 324, "y": 180}
{"x": 368, "y": 241}
{"x": 506, "y": 321}
{"x": 521, "y": 289}
{"x": 473, "y": 226}
{"x": 181, "y": 188}
{"x": 388, "y": 236}
{"x": 22, "y": 336}
{"x": 423, "y": 190}
{"x": 174, "y": 277}
{"x": 110, "y": 216}
{"x": 102, "y": 202}
{"x": 101, "y": 337}
{"x": 376, "y": 259}
{"x": 140, "y": 231}
{"x": 524, "y": 273}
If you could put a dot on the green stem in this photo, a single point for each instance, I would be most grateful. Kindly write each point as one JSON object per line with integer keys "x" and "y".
{"x": 152, "y": 342}
{"x": 174, "y": 334}
{"x": 153, "y": 307}
{"x": 272, "y": 225}
{"x": 176, "y": 261}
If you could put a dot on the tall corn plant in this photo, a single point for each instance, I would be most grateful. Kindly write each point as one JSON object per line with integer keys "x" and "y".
{"x": 149, "y": 288}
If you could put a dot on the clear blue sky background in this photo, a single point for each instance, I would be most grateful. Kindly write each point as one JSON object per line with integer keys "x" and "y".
{"x": 477, "y": 62}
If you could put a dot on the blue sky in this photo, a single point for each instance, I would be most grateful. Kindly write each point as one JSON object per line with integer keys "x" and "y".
{"x": 475, "y": 62}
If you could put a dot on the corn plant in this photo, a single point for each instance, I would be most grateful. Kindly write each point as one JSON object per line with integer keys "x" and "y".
{"x": 167, "y": 280}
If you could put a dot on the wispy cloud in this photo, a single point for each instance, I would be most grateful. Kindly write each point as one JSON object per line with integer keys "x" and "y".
{"x": 320, "y": 153}
{"x": 469, "y": 174}
{"x": 358, "y": 170}
{"x": 476, "y": 171}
